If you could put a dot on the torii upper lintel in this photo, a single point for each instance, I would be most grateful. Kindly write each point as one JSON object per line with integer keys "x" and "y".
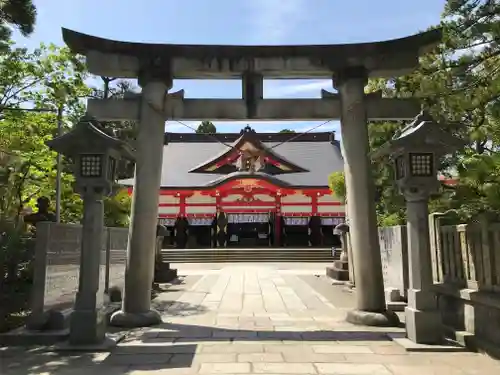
{"x": 125, "y": 59}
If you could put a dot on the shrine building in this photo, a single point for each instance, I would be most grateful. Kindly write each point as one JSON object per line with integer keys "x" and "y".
{"x": 249, "y": 189}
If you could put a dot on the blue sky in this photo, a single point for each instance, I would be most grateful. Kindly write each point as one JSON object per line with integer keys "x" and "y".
{"x": 270, "y": 22}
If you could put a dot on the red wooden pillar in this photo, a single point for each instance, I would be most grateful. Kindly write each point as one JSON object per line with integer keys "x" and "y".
{"x": 218, "y": 201}
{"x": 277, "y": 220}
{"x": 314, "y": 213}
{"x": 182, "y": 205}
{"x": 314, "y": 204}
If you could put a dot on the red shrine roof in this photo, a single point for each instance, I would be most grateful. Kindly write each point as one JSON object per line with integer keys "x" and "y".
{"x": 248, "y": 144}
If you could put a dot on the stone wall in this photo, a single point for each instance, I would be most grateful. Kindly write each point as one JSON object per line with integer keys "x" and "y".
{"x": 57, "y": 261}
{"x": 394, "y": 256}
{"x": 466, "y": 273}
{"x": 466, "y": 267}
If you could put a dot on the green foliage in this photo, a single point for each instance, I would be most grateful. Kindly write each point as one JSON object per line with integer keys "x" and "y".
{"x": 459, "y": 83}
{"x": 53, "y": 79}
{"x": 206, "y": 127}
{"x": 28, "y": 167}
{"x": 286, "y": 131}
{"x": 389, "y": 220}
{"x": 117, "y": 209}
{"x": 336, "y": 182}
{"x": 48, "y": 77}
{"x": 113, "y": 88}
{"x": 20, "y": 14}
{"x": 16, "y": 262}
{"x": 389, "y": 202}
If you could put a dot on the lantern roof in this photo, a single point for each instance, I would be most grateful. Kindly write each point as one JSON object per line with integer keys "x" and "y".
{"x": 423, "y": 132}
{"x": 87, "y": 136}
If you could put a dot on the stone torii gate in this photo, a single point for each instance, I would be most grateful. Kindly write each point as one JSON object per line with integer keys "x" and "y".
{"x": 157, "y": 65}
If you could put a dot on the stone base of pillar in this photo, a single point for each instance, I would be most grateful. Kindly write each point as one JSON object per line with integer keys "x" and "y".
{"x": 424, "y": 327}
{"x": 133, "y": 320}
{"x": 339, "y": 271}
{"x": 48, "y": 321}
{"x": 108, "y": 344}
{"x": 87, "y": 327}
{"x": 164, "y": 274}
{"x": 385, "y": 318}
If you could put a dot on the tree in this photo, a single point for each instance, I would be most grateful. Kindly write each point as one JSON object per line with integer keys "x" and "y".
{"x": 28, "y": 167}
{"x": 117, "y": 209}
{"x": 336, "y": 182}
{"x": 206, "y": 127}
{"x": 35, "y": 78}
{"x": 286, "y": 131}
{"x": 118, "y": 89}
{"x": 20, "y": 14}
{"x": 459, "y": 83}
{"x": 46, "y": 78}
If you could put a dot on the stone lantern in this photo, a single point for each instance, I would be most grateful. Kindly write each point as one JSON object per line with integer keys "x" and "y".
{"x": 340, "y": 269}
{"x": 163, "y": 273}
{"x": 416, "y": 152}
{"x": 94, "y": 156}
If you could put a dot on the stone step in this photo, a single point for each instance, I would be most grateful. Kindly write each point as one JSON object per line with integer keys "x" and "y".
{"x": 247, "y": 255}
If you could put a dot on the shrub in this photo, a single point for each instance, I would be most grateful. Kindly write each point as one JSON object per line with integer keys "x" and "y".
{"x": 16, "y": 260}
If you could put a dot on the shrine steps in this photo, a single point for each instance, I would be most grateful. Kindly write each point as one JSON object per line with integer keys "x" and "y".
{"x": 255, "y": 255}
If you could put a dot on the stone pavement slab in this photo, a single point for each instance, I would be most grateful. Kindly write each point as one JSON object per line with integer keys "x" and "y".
{"x": 251, "y": 319}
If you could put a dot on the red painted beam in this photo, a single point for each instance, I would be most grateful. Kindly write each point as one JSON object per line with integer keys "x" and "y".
{"x": 255, "y": 203}
{"x": 293, "y": 214}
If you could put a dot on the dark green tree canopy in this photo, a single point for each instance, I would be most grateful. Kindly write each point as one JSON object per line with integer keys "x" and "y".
{"x": 286, "y": 131}
{"x": 20, "y": 14}
{"x": 206, "y": 127}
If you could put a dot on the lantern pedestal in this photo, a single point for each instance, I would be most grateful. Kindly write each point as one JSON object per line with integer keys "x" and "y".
{"x": 340, "y": 269}
{"x": 163, "y": 273}
{"x": 88, "y": 319}
{"x": 423, "y": 321}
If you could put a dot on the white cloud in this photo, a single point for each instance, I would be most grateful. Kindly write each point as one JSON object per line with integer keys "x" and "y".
{"x": 274, "y": 19}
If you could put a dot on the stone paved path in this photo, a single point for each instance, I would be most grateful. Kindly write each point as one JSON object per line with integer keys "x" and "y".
{"x": 252, "y": 319}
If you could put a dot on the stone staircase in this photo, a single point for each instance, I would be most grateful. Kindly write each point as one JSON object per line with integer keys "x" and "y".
{"x": 255, "y": 255}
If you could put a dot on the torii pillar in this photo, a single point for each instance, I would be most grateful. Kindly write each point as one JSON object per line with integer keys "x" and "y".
{"x": 139, "y": 272}
{"x": 370, "y": 299}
